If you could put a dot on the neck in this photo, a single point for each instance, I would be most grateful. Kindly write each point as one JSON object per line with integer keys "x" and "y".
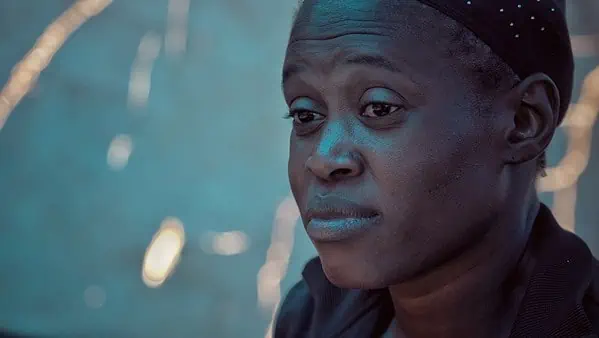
{"x": 477, "y": 293}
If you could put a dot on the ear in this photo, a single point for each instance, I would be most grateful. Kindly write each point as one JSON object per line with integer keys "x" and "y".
{"x": 534, "y": 106}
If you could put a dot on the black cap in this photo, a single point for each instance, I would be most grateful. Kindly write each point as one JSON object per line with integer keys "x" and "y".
{"x": 531, "y": 36}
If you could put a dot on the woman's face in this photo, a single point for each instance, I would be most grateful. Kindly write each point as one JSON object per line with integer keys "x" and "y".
{"x": 391, "y": 163}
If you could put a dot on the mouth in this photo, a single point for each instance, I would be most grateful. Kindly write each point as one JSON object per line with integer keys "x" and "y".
{"x": 331, "y": 219}
{"x": 333, "y": 207}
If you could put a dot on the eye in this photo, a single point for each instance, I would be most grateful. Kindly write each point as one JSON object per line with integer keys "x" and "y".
{"x": 379, "y": 109}
{"x": 303, "y": 116}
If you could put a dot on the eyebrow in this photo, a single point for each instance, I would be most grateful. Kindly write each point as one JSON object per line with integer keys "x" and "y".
{"x": 377, "y": 61}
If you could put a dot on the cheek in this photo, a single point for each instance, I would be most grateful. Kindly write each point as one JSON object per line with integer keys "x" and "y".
{"x": 433, "y": 189}
{"x": 431, "y": 166}
{"x": 296, "y": 171}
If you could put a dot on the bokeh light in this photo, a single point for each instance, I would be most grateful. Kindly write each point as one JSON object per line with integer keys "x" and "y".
{"x": 176, "y": 33}
{"x": 578, "y": 124}
{"x": 119, "y": 151}
{"x": 274, "y": 269}
{"x": 228, "y": 243}
{"x": 25, "y": 73}
{"x": 140, "y": 80}
{"x": 163, "y": 253}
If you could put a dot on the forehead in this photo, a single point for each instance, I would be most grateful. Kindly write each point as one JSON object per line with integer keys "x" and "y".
{"x": 322, "y": 19}
{"x": 350, "y": 48}
{"x": 392, "y": 33}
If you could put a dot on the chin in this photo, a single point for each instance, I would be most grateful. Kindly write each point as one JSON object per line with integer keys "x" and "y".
{"x": 350, "y": 269}
{"x": 354, "y": 275}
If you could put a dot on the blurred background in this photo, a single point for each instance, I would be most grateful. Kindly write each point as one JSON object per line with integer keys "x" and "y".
{"x": 131, "y": 128}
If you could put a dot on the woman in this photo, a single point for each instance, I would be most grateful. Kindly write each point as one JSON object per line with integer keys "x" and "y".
{"x": 419, "y": 129}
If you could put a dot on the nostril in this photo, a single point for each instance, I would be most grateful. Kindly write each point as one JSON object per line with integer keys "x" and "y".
{"x": 341, "y": 172}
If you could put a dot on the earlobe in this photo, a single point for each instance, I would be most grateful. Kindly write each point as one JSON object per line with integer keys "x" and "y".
{"x": 535, "y": 108}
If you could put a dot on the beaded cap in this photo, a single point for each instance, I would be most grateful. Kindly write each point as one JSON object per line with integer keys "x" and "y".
{"x": 531, "y": 36}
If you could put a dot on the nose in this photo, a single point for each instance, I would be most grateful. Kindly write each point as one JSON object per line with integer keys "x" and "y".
{"x": 335, "y": 156}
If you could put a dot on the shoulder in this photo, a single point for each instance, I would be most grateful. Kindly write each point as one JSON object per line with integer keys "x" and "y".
{"x": 591, "y": 301}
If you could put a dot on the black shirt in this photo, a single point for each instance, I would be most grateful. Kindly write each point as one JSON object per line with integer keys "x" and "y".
{"x": 561, "y": 298}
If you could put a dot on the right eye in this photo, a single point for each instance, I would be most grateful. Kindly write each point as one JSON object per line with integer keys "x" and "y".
{"x": 303, "y": 116}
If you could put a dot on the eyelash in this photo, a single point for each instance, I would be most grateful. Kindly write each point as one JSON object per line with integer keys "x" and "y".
{"x": 293, "y": 112}
{"x": 289, "y": 115}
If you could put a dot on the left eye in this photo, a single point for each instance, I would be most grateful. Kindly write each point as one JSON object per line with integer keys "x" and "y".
{"x": 379, "y": 109}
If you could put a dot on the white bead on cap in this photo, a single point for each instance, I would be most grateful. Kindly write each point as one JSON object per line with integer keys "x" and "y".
{"x": 522, "y": 30}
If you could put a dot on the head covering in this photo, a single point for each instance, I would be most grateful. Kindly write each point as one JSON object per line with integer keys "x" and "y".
{"x": 531, "y": 36}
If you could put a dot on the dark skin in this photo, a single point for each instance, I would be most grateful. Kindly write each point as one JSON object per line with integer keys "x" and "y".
{"x": 449, "y": 166}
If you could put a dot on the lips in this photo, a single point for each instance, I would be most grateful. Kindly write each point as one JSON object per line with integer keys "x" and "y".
{"x": 334, "y": 208}
{"x": 333, "y": 219}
